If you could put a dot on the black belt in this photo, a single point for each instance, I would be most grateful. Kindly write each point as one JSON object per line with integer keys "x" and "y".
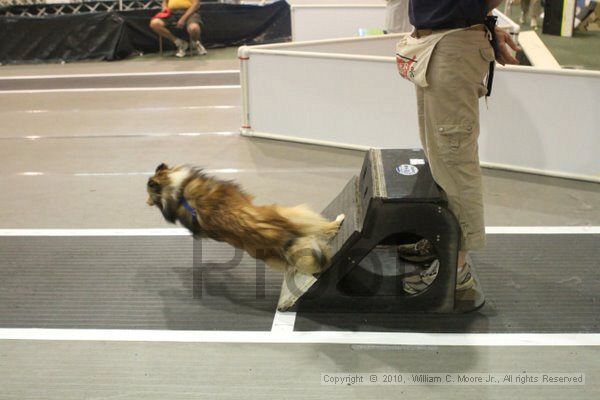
{"x": 455, "y": 24}
{"x": 418, "y": 33}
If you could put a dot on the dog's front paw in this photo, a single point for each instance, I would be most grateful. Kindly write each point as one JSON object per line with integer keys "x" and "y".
{"x": 340, "y": 218}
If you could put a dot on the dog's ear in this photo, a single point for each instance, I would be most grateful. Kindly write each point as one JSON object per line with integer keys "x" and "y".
{"x": 161, "y": 167}
{"x": 153, "y": 185}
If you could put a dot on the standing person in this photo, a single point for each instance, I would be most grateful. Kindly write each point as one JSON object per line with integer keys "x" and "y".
{"x": 532, "y": 6}
{"x": 180, "y": 14}
{"x": 396, "y": 17}
{"x": 448, "y": 92}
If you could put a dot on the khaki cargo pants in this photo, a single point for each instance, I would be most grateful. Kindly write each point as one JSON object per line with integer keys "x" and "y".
{"x": 449, "y": 126}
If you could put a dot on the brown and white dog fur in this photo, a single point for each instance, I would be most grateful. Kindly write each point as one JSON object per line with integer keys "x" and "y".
{"x": 280, "y": 236}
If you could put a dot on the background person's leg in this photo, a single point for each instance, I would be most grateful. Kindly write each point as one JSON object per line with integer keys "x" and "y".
{"x": 194, "y": 31}
{"x": 158, "y": 26}
{"x": 535, "y": 10}
{"x": 524, "y": 11}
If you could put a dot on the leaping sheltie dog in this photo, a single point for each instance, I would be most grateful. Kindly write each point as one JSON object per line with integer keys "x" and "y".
{"x": 208, "y": 207}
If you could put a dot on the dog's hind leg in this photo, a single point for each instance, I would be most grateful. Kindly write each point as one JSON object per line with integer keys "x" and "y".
{"x": 309, "y": 255}
{"x": 332, "y": 228}
{"x": 272, "y": 259}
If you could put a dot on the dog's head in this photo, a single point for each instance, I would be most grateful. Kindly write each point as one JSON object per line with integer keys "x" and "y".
{"x": 156, "y": 185}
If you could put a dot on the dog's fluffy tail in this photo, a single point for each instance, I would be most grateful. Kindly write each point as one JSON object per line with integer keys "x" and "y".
{"x": 308, "y": 254}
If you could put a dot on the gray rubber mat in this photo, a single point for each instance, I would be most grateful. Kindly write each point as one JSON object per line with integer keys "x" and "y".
{"x": 533, "y": 284}
{"x": 150, "y": 80}
{"x": 133, "y": 283}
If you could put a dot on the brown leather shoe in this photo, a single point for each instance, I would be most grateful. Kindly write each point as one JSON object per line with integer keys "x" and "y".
{"x": 417, "y": 253}
{"x": 468, "y": 295}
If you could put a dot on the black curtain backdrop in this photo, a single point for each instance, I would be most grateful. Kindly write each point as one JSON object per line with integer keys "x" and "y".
{"x": 118, "y": 34}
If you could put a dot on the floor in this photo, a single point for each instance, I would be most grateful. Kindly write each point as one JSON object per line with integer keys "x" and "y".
{"x": 578, "y": 52}
{"x": 80, "y": 158}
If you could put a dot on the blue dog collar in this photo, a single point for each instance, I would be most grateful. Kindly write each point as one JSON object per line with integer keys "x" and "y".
{"x": 187, "y": 206}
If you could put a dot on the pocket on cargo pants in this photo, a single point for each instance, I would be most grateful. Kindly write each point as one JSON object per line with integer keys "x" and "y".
{"x": 457, "y": 143}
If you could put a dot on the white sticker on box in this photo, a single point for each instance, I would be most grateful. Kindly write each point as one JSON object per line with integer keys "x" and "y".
{"x": 407, "y": 170}
{"x": 417, "y": 161}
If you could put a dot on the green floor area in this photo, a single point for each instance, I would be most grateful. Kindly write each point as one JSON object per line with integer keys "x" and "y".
{"x": 582, "y": 51}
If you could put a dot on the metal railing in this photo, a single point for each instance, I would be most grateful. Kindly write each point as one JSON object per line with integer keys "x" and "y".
{"x": 40, "y": 8}
{"x": 37, "y": 8}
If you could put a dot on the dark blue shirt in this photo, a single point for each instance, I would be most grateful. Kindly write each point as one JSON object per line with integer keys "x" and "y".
{"x": 446, "y": 14}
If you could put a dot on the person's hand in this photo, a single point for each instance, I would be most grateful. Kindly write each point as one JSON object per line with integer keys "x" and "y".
{"x": 504, "y": 43}
{"x": 181, "y": 23}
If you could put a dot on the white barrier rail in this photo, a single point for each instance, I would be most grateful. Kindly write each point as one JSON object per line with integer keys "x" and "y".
{"x": 536, "y": 52}
{"x": 347, "y": 93}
